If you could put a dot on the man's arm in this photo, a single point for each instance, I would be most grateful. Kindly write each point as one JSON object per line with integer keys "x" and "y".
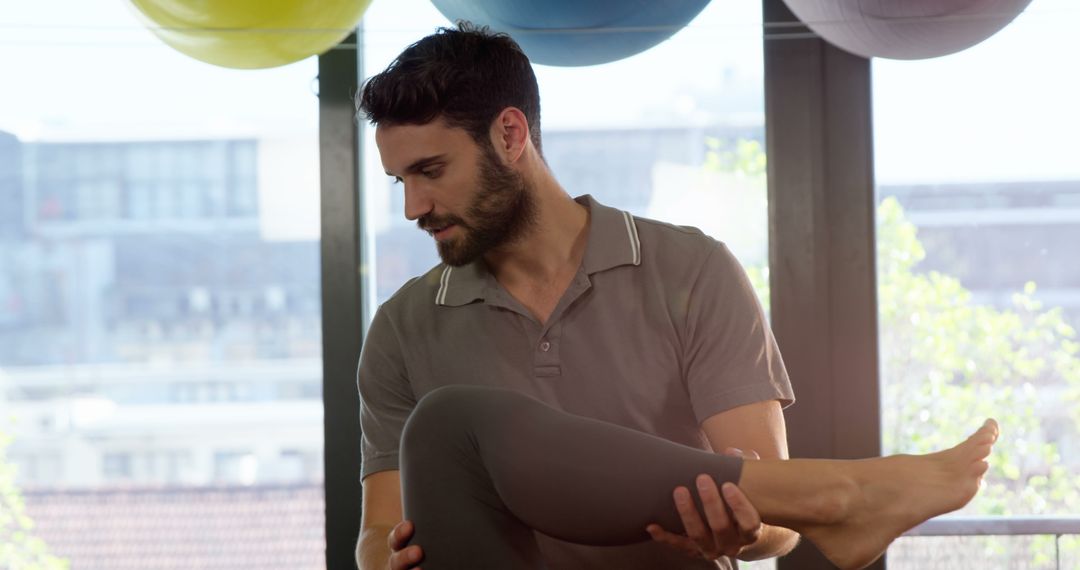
{"x": 381, "y": 517}
{"x": 737, "y": 385}
{"x": 758, "y": 427}
{"x": 386, "y": 401}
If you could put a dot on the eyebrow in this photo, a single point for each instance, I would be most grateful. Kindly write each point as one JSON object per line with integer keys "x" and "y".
{"x": 420, "y": 164}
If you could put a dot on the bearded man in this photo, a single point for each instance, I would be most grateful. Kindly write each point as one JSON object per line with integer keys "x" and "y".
{"x": 587, "y": 308}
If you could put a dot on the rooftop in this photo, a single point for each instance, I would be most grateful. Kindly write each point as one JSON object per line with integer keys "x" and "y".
{"x": 265, "y": 527}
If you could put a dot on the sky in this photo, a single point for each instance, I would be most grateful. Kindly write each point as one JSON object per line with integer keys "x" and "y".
{"x": 1005, "y": 109}
{"x": 91, "y": 70}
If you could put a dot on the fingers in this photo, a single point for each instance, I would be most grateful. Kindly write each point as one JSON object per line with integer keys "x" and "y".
{"x": 405, "y": 559}
{"x": 731, "y": 522}
{"x": 747, "y": 518}
{"x": 736, "y": 452}
{"x": 716, "y": 513}
{"x": 676, "y": 541}
{"x": 400, "y": 535}
{"x": 693, "y": 525}
{"x": 402, "y": 557}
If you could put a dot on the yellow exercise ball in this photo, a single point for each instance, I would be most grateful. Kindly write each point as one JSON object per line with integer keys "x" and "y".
{"x": 251, "y": 34}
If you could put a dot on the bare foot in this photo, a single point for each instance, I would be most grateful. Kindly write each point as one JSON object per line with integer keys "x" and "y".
{"x": 890, "y": 495}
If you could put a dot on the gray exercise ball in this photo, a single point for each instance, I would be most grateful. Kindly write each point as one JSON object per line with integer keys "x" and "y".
{"x": 906, "y": 29}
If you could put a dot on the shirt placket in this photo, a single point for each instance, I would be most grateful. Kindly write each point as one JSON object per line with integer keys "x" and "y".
{"x": 546, "y": 361}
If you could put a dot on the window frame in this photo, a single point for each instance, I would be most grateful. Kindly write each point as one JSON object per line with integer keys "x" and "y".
{"x": 343, "y": 293}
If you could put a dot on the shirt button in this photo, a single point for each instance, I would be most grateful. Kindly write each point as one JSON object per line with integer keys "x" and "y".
{"x": 545, "y": 346}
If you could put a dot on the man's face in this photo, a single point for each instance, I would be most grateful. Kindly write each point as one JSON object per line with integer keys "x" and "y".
{"x": 456, "y": 190}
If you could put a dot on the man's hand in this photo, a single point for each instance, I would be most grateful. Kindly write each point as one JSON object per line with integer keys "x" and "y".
{"x": 402, "y": 557}
{"x": 732, "y": 522}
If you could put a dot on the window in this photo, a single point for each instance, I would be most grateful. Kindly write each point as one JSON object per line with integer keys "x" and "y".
{"x": 237, "y": 467}
{"x": 116, "y": 466}
{"x": 979, "y": 291}
{"x": 159, "y": 280}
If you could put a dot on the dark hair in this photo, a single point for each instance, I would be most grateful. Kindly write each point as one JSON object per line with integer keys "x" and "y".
{"x": 465, "y": 76}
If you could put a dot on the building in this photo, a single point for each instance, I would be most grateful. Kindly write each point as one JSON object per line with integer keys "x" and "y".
{"x": 138, "y": 291}
{"x": 140, "y": 297}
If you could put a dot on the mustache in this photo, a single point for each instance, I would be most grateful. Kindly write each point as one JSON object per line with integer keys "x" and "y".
{"x": 430, "y": 222}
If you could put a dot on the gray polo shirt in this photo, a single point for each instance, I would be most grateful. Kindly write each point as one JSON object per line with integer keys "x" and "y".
{"x": 659, "y": 330}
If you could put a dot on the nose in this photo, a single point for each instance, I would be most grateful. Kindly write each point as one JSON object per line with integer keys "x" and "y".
{"x": 418, "y": 201}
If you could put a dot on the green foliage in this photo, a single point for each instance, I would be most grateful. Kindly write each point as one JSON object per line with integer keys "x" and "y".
{"x": 948, "y": 362}
{"x": 747, "y": 158}
{"x": 19, "y": 549}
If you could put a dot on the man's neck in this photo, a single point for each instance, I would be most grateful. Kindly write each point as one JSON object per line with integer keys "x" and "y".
{"x": 549, "y": 254}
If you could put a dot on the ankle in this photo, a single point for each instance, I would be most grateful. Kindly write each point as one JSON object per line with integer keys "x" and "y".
{"x": 833, "y": 504}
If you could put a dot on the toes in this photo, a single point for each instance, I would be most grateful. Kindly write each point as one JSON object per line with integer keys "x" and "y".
{"x": 981, "y": 452}
{"x": 987, "y": 434}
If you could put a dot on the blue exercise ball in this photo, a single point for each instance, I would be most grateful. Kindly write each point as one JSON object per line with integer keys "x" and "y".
{"x": 578, "y": 32}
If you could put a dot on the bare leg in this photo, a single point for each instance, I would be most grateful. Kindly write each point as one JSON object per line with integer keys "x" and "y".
{"x": 852, "y": 510}
{"x": 484, "y": 467}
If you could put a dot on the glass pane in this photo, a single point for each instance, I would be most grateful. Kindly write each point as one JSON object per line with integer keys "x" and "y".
{"x": 978, "y": 220}
{"x": 160, "y": 336}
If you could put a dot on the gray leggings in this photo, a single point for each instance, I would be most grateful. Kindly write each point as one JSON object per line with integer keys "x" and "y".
{"x": 482, "y": 468}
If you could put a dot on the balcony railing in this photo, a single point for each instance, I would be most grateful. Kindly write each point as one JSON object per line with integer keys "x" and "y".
{"x": 1056, "y": 526}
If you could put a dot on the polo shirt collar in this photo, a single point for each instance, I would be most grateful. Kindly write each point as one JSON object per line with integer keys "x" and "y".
{"x": 612, "y": 242}
{"x": 462, "y": 285}
{"x": 613, "y": 238}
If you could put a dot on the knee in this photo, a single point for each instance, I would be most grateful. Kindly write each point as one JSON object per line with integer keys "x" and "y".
{"x": 439, "y": 414}
{"x": 443, "y": 404}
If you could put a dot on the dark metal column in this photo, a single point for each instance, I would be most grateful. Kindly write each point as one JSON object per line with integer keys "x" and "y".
{"x": 342, "y": 297}
{"x": 821, "y": 240}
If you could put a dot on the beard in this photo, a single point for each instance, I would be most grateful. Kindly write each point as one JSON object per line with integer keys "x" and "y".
{"x": 502, "y": 210}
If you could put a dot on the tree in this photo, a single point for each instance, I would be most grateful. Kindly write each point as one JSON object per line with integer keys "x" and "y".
{"x": 19, "y": 549}
{"x": 948, "y": 362}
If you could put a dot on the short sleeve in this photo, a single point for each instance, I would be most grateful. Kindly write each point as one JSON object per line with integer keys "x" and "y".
{"x": 731, "y": 356}
{"x": 386, "y": 397}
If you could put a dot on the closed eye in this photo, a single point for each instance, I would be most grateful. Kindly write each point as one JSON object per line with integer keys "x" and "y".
{"x": 429, "y": 167}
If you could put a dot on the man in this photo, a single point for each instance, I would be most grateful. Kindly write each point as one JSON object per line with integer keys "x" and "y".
{"x": 596, "y": 312}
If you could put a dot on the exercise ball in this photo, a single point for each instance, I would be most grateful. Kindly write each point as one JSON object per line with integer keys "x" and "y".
{"x": 578, "y": 32}
{"x": 906, "y": 29}
{"x": 251, "y": 34}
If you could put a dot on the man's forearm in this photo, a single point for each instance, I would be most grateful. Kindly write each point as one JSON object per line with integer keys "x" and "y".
{"x": 372, "y": 549}
{"x": 774, "y": 541}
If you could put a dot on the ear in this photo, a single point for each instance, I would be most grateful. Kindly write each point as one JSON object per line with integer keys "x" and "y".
{"x": 510, "y": 134}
